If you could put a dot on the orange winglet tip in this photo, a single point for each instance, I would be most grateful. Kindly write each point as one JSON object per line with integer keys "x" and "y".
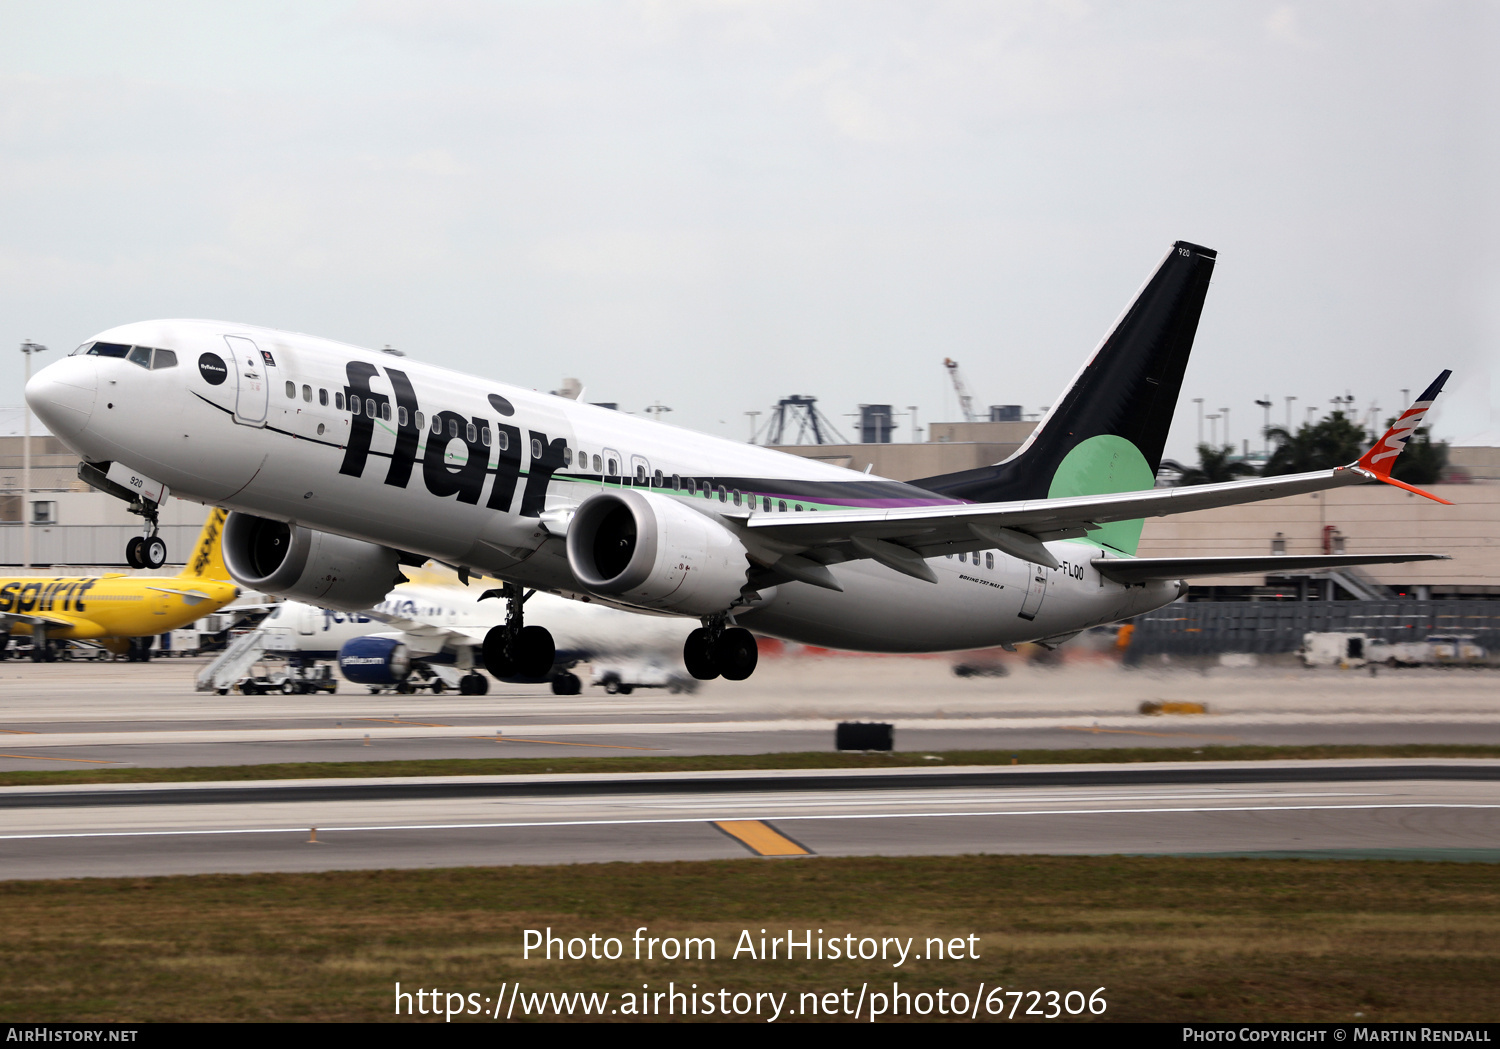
{"x": 1383, "y": 453}
{"x": 1412, "y": 488}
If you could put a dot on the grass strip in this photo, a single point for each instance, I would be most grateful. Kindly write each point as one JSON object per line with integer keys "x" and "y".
{"x": 729, "y": 762}
{"x": 1166, "y": 938}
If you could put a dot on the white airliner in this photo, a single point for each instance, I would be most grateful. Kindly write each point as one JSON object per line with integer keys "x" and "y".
{"x": 341, "y": 464}
{"x": 431, "y": 622}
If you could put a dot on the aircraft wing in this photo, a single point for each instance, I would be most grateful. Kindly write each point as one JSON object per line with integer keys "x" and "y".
{"x": 47, "y": 619}
{"x": 800, "y": 546}
{"x": 427, "y": 638}
{"x": 1142, "y": 569}
{"x": 192, "y": 596}
{"x": 901, "y": 538}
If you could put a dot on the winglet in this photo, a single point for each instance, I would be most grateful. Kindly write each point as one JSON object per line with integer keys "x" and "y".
{"x": 1377, "y": 462}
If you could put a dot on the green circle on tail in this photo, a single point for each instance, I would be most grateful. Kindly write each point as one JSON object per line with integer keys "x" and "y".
{"x": 1100, "y": 466}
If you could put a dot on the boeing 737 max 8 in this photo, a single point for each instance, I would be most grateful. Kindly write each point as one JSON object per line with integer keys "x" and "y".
{"x": 341, "y": 464}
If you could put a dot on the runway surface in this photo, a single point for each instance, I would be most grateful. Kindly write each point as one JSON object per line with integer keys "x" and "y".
{"x": 1413, "y": 809}
{"x": 133, "y": 715}
{"x": 110, "y": 715}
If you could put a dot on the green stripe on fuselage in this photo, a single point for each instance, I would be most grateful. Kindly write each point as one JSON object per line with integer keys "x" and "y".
{"x": 1103, "y": 465}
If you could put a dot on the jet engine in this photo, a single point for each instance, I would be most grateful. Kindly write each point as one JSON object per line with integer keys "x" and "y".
{"x": 652, "y": 551}
{"x": 317, "y": 567}
{"x": 375, "y": 661}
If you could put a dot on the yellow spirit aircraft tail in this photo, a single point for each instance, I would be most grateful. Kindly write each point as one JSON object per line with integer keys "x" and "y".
{"x": 207, "y": 561}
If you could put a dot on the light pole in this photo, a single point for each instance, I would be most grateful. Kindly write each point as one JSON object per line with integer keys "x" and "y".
{"x": 1289, "y": 401}
{"x": 27, "y": 349}
{"x": 1199, "y": 402}
{"x": 1226, "y": 428}
{"x": 1265, "y": 441}
{"x": 752, "y": 425}
{"x": 914, "y": 427}
{"x": 1213, "y": 426}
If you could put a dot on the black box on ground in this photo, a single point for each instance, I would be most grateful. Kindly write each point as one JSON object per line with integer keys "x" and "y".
{"x": 865, "y": 735}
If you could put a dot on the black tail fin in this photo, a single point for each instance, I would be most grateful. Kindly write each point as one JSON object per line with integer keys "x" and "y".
{"x": 1107, "y": 432}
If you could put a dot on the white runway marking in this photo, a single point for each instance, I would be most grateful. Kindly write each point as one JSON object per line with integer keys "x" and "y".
{"x": 302, "y": 828}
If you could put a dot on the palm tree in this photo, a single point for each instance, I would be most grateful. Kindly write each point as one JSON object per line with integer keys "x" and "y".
{"x": 1214, "y": 466}
{"x": 1332, "y": 441}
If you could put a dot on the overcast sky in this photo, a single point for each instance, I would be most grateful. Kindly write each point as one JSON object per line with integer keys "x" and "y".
{"x": 716, "y": 204}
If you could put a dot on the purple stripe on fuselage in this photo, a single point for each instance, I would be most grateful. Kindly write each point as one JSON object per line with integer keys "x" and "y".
{"x": 873, "y": 504}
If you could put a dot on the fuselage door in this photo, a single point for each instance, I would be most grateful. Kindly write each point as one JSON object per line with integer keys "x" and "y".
{"x": 1036, "y": 590}
{"x": 614, "y": 466}
{"x": 640, "y": 471}
{"x": 250, "y": 369}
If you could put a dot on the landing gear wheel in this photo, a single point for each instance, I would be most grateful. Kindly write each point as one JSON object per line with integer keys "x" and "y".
{"x": 535, "y": 651}
{"x": 566, "y": 684}
{"x": 402, "y": 687}
{"x": 288, "y": 687}
{"x": 438, "y": 688}
{"x": 473, "y": 684}
{"x": 698, "y": 655}
{"x": 496, "y": 661}
{"x": 153, "y": 552}
{"x": 735, "y": 654}
{"x": 133, "y": 552}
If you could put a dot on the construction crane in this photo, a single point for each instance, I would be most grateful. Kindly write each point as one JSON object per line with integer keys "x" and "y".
{"x": 965, "y": 401}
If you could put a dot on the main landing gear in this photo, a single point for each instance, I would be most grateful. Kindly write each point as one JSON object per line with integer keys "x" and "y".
{"x": 473, "y": 684}
{"x": 149, "y": 550}
{"x": 711, "y": 651}
{"x": 514, "y": 649}
{"x": 567, "y": 684}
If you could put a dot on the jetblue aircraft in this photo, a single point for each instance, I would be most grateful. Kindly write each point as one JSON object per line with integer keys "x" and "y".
{"x": 431, "y": 622}
{"x": 342, "y": 464}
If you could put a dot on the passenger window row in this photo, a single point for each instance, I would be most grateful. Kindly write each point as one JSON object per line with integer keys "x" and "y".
{"x": 686, "y": 485}
{"x": 989, "y": 558}
{"x": 381, "y": 409}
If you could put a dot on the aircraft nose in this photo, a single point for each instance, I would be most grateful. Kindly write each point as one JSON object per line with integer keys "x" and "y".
{"x": 62, "y": 395}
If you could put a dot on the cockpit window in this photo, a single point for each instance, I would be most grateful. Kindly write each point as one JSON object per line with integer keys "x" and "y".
{"x": 140, "y": 355}
{"x": 164, "y": 359}
{"x": 107, "y": 349}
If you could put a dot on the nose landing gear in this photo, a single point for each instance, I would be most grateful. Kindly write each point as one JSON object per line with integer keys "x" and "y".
{"x": 146, "y": 551}
{"x": 513, "y": 649}
{"x": 149, "y": 550}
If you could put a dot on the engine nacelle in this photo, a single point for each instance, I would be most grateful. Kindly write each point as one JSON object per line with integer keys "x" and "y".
{"x": 317, "y": 567}
{"x": 374, "y": 661}
{"x": 650, "y": 550}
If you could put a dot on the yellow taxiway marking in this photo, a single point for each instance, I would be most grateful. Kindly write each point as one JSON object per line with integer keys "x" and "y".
{"x": 560, "y": 743}
{"x": 1138, "y": 732}
{"x": 36, "y": 757}
{"x": 761, "y": 838}
{"x": 398, "y": 721}
{"x": 16, "y": 732}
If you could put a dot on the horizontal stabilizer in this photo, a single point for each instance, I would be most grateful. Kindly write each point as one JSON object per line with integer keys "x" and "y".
{"x": 1144, "y": 569}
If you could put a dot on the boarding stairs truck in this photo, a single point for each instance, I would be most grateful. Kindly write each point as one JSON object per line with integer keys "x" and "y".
{"x": 233, "y": 665}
